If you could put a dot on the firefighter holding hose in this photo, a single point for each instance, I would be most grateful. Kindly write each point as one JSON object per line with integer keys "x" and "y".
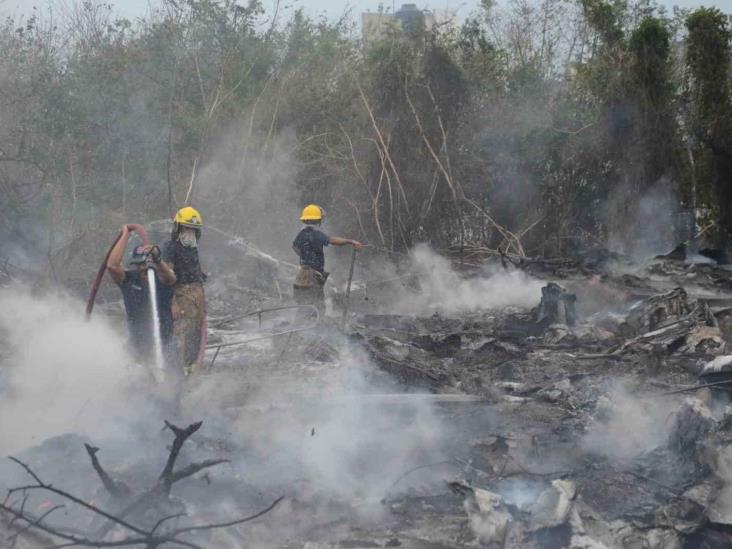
{"x": 308, "y": 288}
{"x": 132, "y": 282}
{"x": 180, "y": 254}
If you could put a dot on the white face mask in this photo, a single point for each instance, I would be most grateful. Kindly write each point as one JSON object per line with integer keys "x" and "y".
{"x": 187, "y": 237}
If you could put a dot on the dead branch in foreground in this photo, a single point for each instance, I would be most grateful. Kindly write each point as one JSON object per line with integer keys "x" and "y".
{"x": 22, "y": 521}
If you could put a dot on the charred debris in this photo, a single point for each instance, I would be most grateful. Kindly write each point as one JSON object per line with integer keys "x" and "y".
{"x": 597, "y": 418}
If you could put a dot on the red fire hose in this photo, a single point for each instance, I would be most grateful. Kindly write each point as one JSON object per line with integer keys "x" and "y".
{"x": 100, "y": 275}
{"x": 103, "y": 267}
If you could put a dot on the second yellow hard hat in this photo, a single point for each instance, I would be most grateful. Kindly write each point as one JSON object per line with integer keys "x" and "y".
{"x": 311, "y": 212}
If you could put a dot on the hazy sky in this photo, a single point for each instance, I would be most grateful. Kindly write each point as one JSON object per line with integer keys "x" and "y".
{"x": 335, "y": 8}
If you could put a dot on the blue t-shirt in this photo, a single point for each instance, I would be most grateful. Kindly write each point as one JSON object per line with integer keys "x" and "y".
{"x": 310, "y": 242}
{"x": 136, "y": 296}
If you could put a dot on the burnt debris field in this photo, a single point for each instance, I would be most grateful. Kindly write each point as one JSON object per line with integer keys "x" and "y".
{"x": 406, "y": 290}
{"x": 532, "y": 404}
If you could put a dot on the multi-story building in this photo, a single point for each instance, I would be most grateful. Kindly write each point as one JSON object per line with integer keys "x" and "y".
{"x": 409, "y": 18}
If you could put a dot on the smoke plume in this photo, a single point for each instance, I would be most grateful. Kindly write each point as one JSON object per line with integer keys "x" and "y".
{"x": 443, "y": 290}
{"x": 61, "y": 373}
{"x": 627, "y": 425}
{"x": 331, "y": 429}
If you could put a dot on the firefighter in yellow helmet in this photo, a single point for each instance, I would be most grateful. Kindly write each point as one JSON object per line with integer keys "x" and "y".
{"x": 308, "y": 288}
{"x": 189, "y": 302}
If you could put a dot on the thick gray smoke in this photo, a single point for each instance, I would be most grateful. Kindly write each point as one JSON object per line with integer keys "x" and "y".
{"x": 247, "y": 187}
{"x": 59, "y": 373}
{"x": 330, "y": 429}
{"x": 443, "y": 289}
{"x": 646, "y": 225}
{"x": 317, "y": 431}
{"x": 625, "y": 425}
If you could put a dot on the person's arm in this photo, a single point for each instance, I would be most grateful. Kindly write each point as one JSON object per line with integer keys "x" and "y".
{"x": 165, "y": 273}
{"x": 297, "y": 250}
{"x": 114, "y": 262}
{"x": 164, "y": 270}
{"x": 338, "y": 241}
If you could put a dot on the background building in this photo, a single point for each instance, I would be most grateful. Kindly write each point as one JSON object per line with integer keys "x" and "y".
{"x": 409, "y": 18}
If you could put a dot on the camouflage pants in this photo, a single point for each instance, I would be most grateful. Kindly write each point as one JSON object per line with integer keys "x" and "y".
{"x": 189, "y": 309}
{"x": 308, "y": 289}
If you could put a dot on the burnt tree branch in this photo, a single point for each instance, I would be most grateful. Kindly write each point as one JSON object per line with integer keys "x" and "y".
{"x": 137, "y": 536}
{"x": 194, "y": 468}
{"x": 30, "y": 523}
{"x": 167, "y": 477}
{"x": 163, "y": 520}
{"x": 149, "y": 540}
{"x": 181, "y": 435}
{"x": 49, "y": 488}
{"x": 236, "y": 522}
{"x": 115, "y": 489}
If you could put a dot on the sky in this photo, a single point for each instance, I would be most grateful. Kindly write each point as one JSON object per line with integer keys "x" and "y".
{"x": 333, "y": 9}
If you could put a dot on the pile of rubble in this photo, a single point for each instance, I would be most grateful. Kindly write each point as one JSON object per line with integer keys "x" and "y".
{"x": 577, "y": 423}
{"x": 529, "y": 390}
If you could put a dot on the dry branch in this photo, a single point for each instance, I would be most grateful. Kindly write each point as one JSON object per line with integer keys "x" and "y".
{"x": 384, "y": 146}
{"x": 230, "y": 523}
{"x": 181, "y": 435}
{"x": 14, "y": 538}
{"x": 194, "y": 468}
{"x": 442, "y": 130}
{"x": 142, "y": 538}
{"x": 455, "y": 189}
{"x": 115, "y": 489}
{"x": 435, "y": 157}
{"x": 510, "y": 238}
{"x": 166, "y": 479}
{"x": 137, "y": 536}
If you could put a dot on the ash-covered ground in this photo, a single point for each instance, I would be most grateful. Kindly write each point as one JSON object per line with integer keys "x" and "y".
{"x": 516, "y": 405}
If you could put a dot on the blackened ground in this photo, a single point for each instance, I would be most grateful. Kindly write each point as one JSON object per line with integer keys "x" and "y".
{"x": 395, "y": 431}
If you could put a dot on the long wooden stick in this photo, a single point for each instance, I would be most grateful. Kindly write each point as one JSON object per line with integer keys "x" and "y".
{"x": 348, "y": 287}
{"x": 695, "y": 388}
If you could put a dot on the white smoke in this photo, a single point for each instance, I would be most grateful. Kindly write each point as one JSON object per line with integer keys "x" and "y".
{"x": 248, "y": 187}
{"x": 721, "y": 509}
{"x": 327, "y": 428}
{"x": 58, "y": 373}
{"x": 627, "y": 425}
{"x": 645, "y": 223}
{"x": 445, "y": 291}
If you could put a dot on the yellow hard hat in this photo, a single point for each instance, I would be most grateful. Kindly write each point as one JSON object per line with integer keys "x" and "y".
{"x": 311, "y": 212}
{"x": 189, "y": 217}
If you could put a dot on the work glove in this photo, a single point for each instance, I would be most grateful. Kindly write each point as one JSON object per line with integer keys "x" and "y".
{"x": 155, "y": 254}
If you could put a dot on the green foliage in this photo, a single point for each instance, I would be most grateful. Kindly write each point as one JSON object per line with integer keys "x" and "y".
{"x": 605, "y": 17}
{"x": 650, "y": 47}
{"x": 708, "y": 58}
{"x": 558, "y": 116}
{"x": 649, "y": 77}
